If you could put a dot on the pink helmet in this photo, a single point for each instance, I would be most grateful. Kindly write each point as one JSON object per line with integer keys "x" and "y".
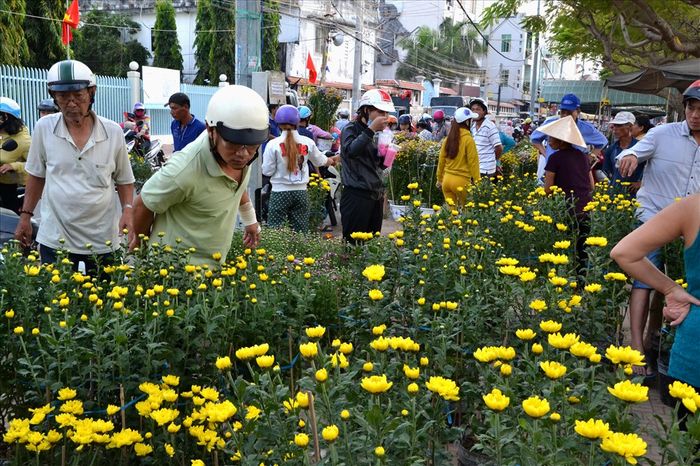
{"x": 439, "y": 115}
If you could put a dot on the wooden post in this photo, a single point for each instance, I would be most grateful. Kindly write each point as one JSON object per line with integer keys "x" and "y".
{"x": 314, "y": 428}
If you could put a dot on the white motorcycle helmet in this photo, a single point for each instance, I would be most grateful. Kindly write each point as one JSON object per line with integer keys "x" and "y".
{"x": 377, "y": 98}
{"x": 239, "y": 115}
{"x": 70, "y": 75}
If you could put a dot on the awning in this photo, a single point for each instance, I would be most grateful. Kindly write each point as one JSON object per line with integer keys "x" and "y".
{"x": 654, "y": 79}
{"x": 591, "y": 93}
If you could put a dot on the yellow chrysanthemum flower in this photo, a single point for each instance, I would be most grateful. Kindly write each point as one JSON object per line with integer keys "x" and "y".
{"x": 496, "y": 400}
{"x": 374, "y": 273}
{"x": 592, "y": 428}
{"x": 376, "y": 384}
{"x": 535, "y": 406}
{"x": 630, "y": 391}
{"x": 553, "y": 369}
{"x": 525, "y": 334}
{"x": 330, "y": 433}
{"x": 629, "y": 446}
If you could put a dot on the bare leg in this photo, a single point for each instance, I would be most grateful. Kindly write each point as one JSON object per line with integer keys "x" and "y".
{"x": 639, "y": 311}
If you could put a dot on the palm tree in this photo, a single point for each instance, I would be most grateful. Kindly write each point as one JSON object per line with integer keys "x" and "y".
{"x": 450, "y": 52}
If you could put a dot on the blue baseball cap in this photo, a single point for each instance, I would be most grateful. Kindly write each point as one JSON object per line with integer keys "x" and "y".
{"x": 569, "y": 102}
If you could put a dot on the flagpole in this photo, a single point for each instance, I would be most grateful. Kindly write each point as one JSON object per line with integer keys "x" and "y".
{"x": 65, "y": 26}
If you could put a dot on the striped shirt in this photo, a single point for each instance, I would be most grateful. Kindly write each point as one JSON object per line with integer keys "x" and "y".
{"x": 672, "y": 170}
{"x": 486, "y": 138}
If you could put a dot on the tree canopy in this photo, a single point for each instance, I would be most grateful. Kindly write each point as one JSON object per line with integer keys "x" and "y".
{"x": 166, "y": 46}
{"x": 215, "y": 41}
{"x": 113, "y": 39}
{"x": 621, "y": 35}
{"x": 44, "y": 36}
{"x": 270, "y": 34}
{"x": 14, "y": 50}
{"x": 449, "y": 52}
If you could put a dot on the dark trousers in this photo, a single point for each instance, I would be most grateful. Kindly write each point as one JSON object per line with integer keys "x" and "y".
{"x": 582, "y": 224}
{"x": 361, "y": 211}
{"x": 92, "y": 262}
{"x": 8, "y": 197}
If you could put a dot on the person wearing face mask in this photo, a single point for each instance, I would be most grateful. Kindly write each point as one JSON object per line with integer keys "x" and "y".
{"x": 285, "y": 162}
{"x": 195, "y": 198}
{"x": 76, "y": 162}
{"x": 14, "y": 147}
{"x": 362, "y": 202}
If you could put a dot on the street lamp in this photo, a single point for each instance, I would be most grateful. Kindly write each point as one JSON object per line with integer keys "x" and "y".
{"x": 337, "y": 37}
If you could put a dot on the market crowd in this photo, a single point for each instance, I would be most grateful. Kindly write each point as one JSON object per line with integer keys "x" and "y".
{"x": 77, "y": 164}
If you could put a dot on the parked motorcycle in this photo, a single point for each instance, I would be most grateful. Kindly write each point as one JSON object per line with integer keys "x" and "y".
{"x": 151, "y": 151}
{"x": 332, "y": 176}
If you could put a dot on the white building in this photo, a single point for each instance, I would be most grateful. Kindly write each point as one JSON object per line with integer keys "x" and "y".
{"x": 143, "y": 12}
{"x": 308, "y": 28}
{"x": 411, "y": 15}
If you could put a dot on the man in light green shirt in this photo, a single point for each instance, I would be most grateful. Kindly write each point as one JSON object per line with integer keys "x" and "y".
{"x": 195, "y": 198}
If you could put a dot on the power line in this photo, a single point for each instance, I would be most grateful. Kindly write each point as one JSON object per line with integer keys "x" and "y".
{"x": 482, "y": 36}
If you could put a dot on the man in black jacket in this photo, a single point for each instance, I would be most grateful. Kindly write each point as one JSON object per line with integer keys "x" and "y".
{"x": 362, "y": 202}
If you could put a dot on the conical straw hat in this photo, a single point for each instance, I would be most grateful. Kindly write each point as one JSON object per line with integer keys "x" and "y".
{"x": 564, "y": 129}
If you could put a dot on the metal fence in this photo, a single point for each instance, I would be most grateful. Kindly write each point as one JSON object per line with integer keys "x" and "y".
{"x": 28, "y": 87}
{"x": 199, "y": 99}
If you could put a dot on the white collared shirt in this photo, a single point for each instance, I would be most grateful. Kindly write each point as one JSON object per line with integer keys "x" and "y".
{"x": 486, "y": 138}
{"x": 79, "y": 199}
{"x": 672, "y": 170}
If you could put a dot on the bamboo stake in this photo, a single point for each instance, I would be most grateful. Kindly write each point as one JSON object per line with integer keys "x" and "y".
{"x": 314, "y": 428}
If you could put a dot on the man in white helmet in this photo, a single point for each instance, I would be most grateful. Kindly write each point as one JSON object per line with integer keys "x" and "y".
{"x": 195, "y": 198}
{"x": 362, "y": 203}
{"x": 76, "y": 159}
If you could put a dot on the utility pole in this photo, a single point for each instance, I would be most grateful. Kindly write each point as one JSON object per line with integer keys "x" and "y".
{"x": 535, "y": 66}
{"x": 357, "y": 65}
{"x": 248, "y": 40}
{"x": 324, "y": 58}
{"x": 500, "y": 83}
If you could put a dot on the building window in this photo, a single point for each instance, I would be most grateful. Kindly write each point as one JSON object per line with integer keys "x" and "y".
{"x": 321, "y": 37}
{"x": 505, "y": 42}
{"x": 505, "y": 74}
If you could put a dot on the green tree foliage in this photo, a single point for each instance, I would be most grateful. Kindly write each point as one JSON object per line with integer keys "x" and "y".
{"x": 113, "y": 41}
{"x": 44, "y": 36}
{"x": 14, "y": 50}
{"x": 271, "y": 32}
{"x": 449, "y": 52}
{"x": 222, "y": 54}
{"x": 619, "y": 34}
{"x": 215, "y": 41}
{"x": 203, "y": 40}
{"x": 166, "y": 47}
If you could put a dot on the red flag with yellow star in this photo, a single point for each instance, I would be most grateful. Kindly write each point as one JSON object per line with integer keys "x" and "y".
{"x": 70, "y": 21}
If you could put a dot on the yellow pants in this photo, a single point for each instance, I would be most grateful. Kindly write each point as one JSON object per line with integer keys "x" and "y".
{"x": 455, "y": 187}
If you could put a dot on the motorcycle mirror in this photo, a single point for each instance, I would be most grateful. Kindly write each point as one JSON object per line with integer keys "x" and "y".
{"x": 139, "y": 123}
{"x": 10, "y": 145}
{"x": 131, "y": 115}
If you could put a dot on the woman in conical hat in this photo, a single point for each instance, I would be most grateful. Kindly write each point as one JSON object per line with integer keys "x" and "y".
{"x": 569, "y": 169}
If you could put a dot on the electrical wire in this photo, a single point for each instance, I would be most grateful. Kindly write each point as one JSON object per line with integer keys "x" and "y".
{"x": 482, "y": 36}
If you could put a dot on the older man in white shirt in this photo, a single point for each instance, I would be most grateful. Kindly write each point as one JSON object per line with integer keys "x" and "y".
{"x": 672, "y": 156}
{"x": 75, "y": 162}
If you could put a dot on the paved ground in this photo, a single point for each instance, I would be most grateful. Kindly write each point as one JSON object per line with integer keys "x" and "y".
{"x": 645, "y": 411}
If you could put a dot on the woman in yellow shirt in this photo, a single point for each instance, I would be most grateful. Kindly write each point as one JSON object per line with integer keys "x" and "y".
{"x": 459, "y": 161}
{"x": 14, "y": 147}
